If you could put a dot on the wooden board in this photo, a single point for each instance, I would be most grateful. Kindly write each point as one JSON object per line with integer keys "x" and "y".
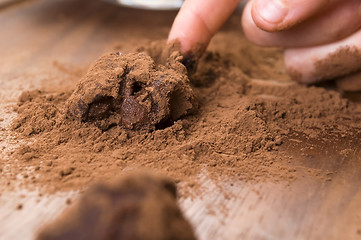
{"x": 33, "y": 55}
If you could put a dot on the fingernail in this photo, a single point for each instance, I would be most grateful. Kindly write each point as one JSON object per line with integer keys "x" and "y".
{"x": 272, "y": 11}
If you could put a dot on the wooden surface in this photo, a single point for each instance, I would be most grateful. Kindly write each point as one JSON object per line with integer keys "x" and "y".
{"x": 35, "y": 41}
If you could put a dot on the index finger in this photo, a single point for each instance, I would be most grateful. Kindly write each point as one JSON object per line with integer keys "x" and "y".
{"x": 198, "y": 20}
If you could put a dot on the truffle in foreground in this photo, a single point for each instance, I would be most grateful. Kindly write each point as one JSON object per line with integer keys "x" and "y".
{"x": 139, "y": 206}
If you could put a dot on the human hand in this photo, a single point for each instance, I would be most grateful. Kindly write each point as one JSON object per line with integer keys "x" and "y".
{"x": 321, "y": 38}
{"x": 198, "y": 21}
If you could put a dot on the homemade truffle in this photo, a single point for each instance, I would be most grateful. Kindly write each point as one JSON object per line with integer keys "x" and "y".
{"x": 139, "y": 206}
{"x": 132, "y": 91}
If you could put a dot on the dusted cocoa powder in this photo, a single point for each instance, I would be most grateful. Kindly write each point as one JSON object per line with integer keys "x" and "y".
{"x": 344, "y": 61}
{"x": 236, "y": 134}
{"x": 137, "y": 206}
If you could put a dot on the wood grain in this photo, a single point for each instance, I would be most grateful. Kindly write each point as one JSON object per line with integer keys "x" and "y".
{"x": 39, "y": 36}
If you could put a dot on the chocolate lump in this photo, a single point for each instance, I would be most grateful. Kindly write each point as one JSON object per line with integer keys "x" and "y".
{"x": 130, "y": 90}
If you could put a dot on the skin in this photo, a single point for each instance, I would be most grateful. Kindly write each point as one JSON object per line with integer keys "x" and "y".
{"x": 309, "y": 30}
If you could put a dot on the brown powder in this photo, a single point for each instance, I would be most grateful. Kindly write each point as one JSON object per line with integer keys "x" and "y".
{"x": 295, "y": 74}
{"x": 19, "y": 206}
{"x": 160, "y": 52}
{"x": 343, "y": 61}
{"x": 137, "y": 206}
{"x": 236, "y": 133}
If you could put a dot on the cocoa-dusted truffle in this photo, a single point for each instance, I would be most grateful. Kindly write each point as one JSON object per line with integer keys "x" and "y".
{"x": 140, "y": 206}
{"x": 130, "y": 90}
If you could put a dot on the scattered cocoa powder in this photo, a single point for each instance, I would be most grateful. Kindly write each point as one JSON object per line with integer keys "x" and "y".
{"x": 161, "y": 50}
{"x": 344, "y": 61}
{"x": 236, "y": 133}
{"x": 19, "y": 206}
{"x": 137, "y": 206}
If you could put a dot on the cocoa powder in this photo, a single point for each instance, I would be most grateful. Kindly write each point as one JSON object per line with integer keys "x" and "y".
{"x": 235, "y": 134}
{"x": 344, "y": 61}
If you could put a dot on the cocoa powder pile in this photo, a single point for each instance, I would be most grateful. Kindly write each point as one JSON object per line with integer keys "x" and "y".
{"x": 236, "y": 132}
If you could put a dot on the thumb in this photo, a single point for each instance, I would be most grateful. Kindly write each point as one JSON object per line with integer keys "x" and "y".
{"x": 277, "y": 15}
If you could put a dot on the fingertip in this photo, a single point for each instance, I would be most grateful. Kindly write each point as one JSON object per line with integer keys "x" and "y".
{"x": 184, "y": 42}
{"x": 279, "y": 15}
{"x": 250, "y": 29}
{"x": 189, "y": 29}
{"x": 198, "y": 20}
{"x": 269, "y": 15}
{"x": 297, "y": 67}
{"x": 350, "y": 83}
